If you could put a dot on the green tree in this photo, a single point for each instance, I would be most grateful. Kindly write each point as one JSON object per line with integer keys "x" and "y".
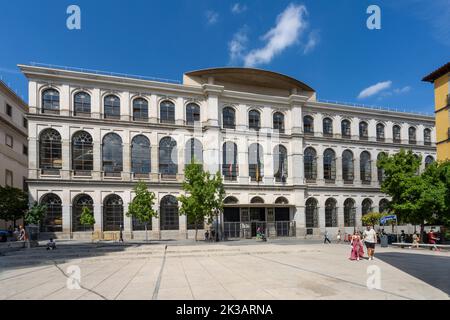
{"x": 204, "y": 195}
{"x": 87, "y": 218}
{"x": 35, "y": 214}
{"x": 13, "y": 204}
{"x": 141, "y": 208}
{"x": 372, "y": 218}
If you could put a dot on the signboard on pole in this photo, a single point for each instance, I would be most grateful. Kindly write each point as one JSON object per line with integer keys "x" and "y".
{"x": 383, "y": 220}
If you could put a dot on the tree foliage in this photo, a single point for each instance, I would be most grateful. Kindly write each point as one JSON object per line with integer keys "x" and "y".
{"x": 13, "y": 203}
{"x": 372, "y": 218}
{"x": 35, "y": 214}
{"x": 141, "y": 207}
{"x": 87, "y": 217}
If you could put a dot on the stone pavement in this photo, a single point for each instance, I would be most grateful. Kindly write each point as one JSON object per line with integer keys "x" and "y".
{"x": 245, "y": 270}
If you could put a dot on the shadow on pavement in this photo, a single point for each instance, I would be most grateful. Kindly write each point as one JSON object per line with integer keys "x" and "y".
{"x": 434, "y": 270}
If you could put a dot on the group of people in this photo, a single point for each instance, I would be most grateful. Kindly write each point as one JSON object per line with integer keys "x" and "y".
{"x": 369, "y": 238}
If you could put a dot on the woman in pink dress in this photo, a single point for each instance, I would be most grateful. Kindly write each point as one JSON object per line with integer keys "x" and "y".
{"x": 357, "y": 247}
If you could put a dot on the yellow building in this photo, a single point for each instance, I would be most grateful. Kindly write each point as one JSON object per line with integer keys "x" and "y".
{"x": 441, "y": 80}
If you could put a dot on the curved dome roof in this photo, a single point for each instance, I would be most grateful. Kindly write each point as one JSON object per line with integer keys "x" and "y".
{"x": 251, "y": 76}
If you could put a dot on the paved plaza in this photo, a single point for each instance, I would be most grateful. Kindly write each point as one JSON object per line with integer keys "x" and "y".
{"x": 244, "y": 270}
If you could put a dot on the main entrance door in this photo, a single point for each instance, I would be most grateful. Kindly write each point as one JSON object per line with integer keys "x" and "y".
{"x": 257, "y": 219}
{"x": 282, "y": 222}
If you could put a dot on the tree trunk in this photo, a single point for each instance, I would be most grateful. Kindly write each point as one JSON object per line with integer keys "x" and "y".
{"x": 422, "y": 227}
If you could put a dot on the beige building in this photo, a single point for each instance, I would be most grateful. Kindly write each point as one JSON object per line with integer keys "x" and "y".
{"x": 13, "y": 141}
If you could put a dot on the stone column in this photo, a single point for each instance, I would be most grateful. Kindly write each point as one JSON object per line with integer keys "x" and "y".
{"x": 179, "y": 111}
{"x": 126, "y": 173}
{"x": 339, "y": 178}
{"x": 243, "y": 159}
{"x": 65, "y": 100}
{"x": 66, "y": 159}
{"x": 268, "y": 166}
{"x": 97, "y": 156}
{"x": 357, "y": 168}
{"x": 96, "y": 104}
{"x": 321, "y": 212}
{"x": 153, "y": 109}
{"x": 319, "y": 160}
{"x": 125, "y": 110}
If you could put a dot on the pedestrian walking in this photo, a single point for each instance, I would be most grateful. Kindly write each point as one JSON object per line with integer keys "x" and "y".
{"x": 432, "y": 239}
{"x": 357, "y": 248}
{"x": 416, "y": 239}
{"x": 338, "y": 237}
{"x": 121, "y": 234}
{"x": 22, "y": 234}
{"x": 326, "y": 239}
{"x": 370, "y": 239}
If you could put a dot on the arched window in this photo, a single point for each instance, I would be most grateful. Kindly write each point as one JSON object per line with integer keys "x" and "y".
{"x": 140, "y": 156}
{"x": 169, "y": 213}
{"x": 167, "y": 112}
{"x": 112, "y": 107}
{"x": 230, "y": 168}
{"x": 365, "y": 167}
{"x": 380, "y": 170}
{"x": 50, "y": 101}
{"x": 367, "y": 206}
{"x": 383, "y": 206}
{"x": 256, "y": 162}
{"x": 112, "y": 155}
{"x": 229, "y": 118}
{"x": 327, "y": 127}
{"x": 140, "y": 109}
{"x": 396, "y": 133}
{"x": 113, "y": 213}
{"x": 347, "y": 166}
{"x": 280, "y": 163}
{"x": 50, "y": 152}
{"x": 428, "y": 160}
{"x": 82, "y": 153}
{"x": 331, "y": 213}
{"x": 329, "y": 165}
{"x": 311, "y": 213}
{"x": 82, "y": 104}
{"x": 52, "y": 221}
{"x": 310, "y": 162}
{"x": 349, "y": 213}
{"x": 254, "y": 120}
{"x": 363, "y": 130}
{"x": 427, "y": 137}
{"x": 168, "y": 158}
{"x": 380, "y": 132}
{"x": 281, "y": 200}
{"x": 81, "y": 201}
{"x": 278, "y": 122}
{"x": 346, "y": 129}
{"x": 257, "y": 200}
{"x": 412, "y": 135}
{"x": 192, "y": 114}
{"x": 308, "y": 125}
{"x": 193, "y": 152}
{"x": 231, "y": 200}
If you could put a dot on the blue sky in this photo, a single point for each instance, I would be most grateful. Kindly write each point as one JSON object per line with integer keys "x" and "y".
{"x": 323, "y": 43}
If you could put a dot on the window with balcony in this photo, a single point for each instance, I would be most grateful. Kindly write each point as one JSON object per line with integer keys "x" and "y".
{"x": 347, "y": 166}
{"x": 256, "y": 162}
{"x": 50, "y": 101}
{"x": 168, "y": 158}
{"x": 82, "y": 104}
{"x": 50, "y": 152}
{"x": 230, "y": 170}
{"x": 363, "y": 130}
{"x": 192, "y": 114}
{"x": 308, "y": 125}
{"x": 112, "y": 107}
{"x": 140, "y": 156}
{"x": 327, "y": 127}
{"x": 380, "y": 132}
{"x": 365, "y": 167}
{"x": 396, "y": 133}
{"x": 310, "y": 164}
{"x": 254, "y": 120}
{"x": 280, "y": 163}
{"x": 82, "y": 153}
{"x": 346, "y": 130}
{"x": 167, "y": 112}
{"x": 412, "y": 135}
{"x": 112, "y": 155}
{"x": 278, "y": 122}
{"x": 140, "y": 110}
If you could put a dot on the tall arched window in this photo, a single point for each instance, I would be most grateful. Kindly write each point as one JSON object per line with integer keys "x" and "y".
{"x": 168, "y": 158}
{"x": 383, "y": 206}
{"x": 140, "y": 109}
{"x": 427, "y": 137}
{"x": 349, "y": 213}
{"x": 365, "y": 167}
{"x": 113, "y": 213}
{"x": 363, "y": 130}
{"x": 310, "y": 163}
{"x": 346, "y": 129}
{"x": 412, "y": 135}
{"x": 331, "y": 213}
{"x": 50, "y": 101}
{"x": 256, "y": 162}
{"x": 280, "y": 163}
{"x": 230, "y": 168}
{"x": 192, "y": 114}
{"x": 308, "y": 125}
{"x": 231, "y": 200}
{"x": 167, "y": 112}
{"x": 112, "y": 155}
{"x": 52, "y": 221}
{"x": 396, "y": 134}
{"x": 347, "y": 166}
{"x": 229, "y": 118}
{"x": 428, "y": 160}
{"x": 50, "y": 152}
{"x": 366, "y": 206}
{"x": 311, "y": 213}
{"x": 329, "y": 165}
{"x": 81, "y": 201}
{"x": 193, "y": 152}
{"x": 169, "y": 213}
{"x": 82, "y": 104}
{"x": 112, "y": 107}
{"x": 140, "y": 156}
{"x": 380, "y": 170}
{"x": 82, "y": 153}
{"x": 254, "y": 120}
{"x": 380, "y": 132}
{"x": 327, "y": 127}
{"x": 278, "y": 122}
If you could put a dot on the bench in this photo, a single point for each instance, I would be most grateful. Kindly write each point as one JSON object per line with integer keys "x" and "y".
{"x": 421, "y": 245}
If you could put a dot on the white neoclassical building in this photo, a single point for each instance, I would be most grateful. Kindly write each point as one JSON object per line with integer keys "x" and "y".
{"x": 291, "y": 164}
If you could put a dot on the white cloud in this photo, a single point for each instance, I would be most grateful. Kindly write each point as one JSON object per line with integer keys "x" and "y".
{"x": 402, "y": 90}
{"x": 238, "y": 45}
{"x": 212, "y": 17}
{"x": 289, "y": 26}
{"x": 313, "y": 40}
{"x": 375, "y": 89}
{"x": 238, "y": 8}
